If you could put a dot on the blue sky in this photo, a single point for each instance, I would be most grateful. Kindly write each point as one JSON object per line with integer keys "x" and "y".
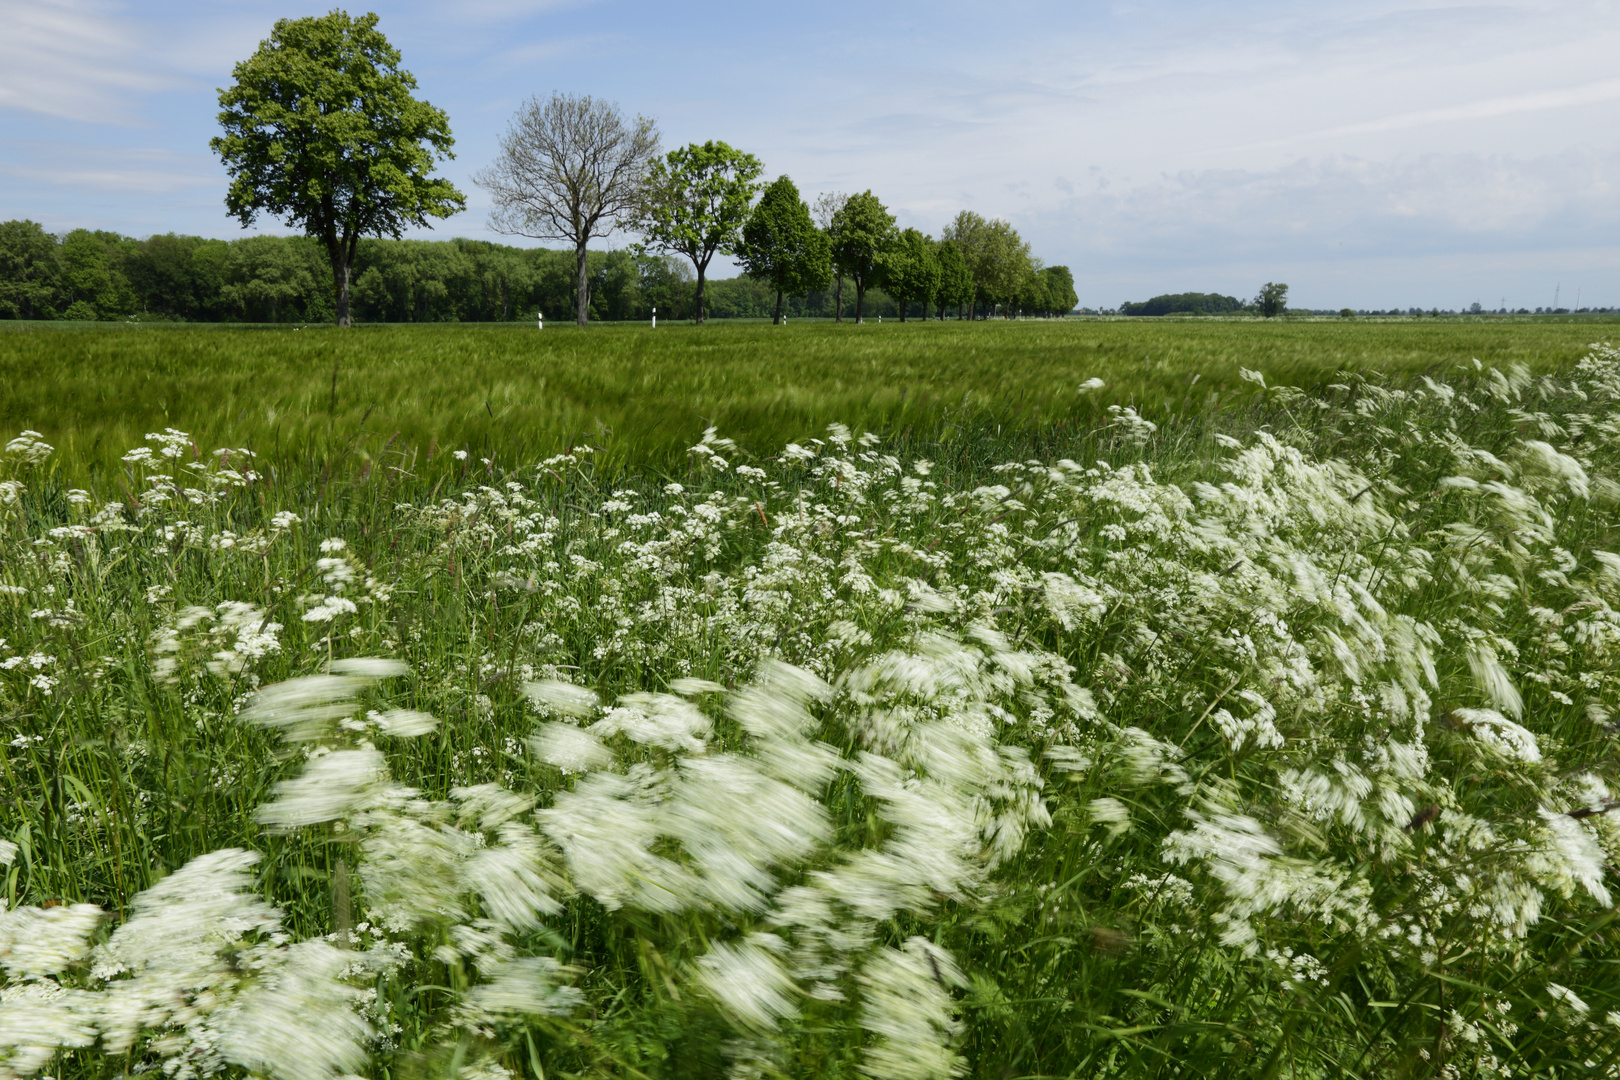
{"x": 1370, "y": 154}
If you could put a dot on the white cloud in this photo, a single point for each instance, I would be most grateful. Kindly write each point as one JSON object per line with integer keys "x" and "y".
{"x": 73, "y": 60}
{"x": 114, "y": 170}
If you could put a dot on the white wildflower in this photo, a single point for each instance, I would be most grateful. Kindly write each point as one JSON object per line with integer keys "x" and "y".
{"x": 748, "y": 981}
{"x": 906, "y": 1004}
{"x": 571, "y": 749}
{"x": 566, "y": 698}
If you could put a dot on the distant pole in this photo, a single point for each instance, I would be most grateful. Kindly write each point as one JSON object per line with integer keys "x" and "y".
{"x": 655, "y": 319}
{"x": 539, "y": 320}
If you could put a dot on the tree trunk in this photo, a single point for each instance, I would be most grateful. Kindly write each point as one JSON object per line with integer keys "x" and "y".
{"x": 340, "y": 287}
{"x": 838, "y": 301}
{"x": 697, "y": 316}
{"x": 860, "y": 299}
{"x": 902, "y": 305}
{"x": 777, "y": 321}
{"x": 582, "y": 285}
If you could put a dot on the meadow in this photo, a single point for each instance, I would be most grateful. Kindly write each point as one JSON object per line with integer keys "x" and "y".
{"x": 317, "y": 398}
{"x": 1038, "y": 700}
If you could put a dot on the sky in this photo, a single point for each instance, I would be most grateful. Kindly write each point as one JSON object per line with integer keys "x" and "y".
{"x": 1369, "y": 154}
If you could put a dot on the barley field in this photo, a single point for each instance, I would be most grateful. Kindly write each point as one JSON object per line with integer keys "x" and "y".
{"x": 322, "y": 401}
{"x": 1040, "y": 700}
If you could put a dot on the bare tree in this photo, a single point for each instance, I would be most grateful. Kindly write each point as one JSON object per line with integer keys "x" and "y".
{"x": 569, "y": 169}
{"x": 828, "y": 205}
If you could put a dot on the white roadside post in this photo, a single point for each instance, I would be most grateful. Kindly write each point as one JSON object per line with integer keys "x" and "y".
{"x": 655, "y": 319}
{"x": 539, "y": 320}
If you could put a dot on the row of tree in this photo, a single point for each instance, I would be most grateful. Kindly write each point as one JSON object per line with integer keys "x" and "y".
{"x": 288, "y": 279}
{"x": 573, "y": 168}
{"x": 321, "y": 129}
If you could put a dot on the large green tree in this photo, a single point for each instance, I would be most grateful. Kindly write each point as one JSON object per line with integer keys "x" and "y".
{"x": 1272, "y": 299}
{"x": 912, "y": 272}
{"x": 968, "y": 232}
{"x": 695, "y": 202}
{"x": 863, "y": 234}
{"x": 322, "y": 131}
{"x": 782, "y": 246}
{"x": 997, "y": 258}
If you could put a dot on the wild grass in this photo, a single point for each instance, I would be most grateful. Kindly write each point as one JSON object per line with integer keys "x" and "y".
{"x": 321, "y": 402}
{"x": 1261, "y": 740}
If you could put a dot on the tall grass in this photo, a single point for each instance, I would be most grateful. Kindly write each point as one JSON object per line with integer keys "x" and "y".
{"x": 1276, "y": 740}
{"x": 324, "y": 403}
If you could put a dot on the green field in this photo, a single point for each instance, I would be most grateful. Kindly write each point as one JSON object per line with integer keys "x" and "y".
{"x": 1253, "y": 715}
{"x": 400, "y": 395}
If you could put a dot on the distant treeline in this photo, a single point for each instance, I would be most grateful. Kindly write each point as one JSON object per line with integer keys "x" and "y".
{"x": 106, "y": 276}
{"x": 1192, "y": 303}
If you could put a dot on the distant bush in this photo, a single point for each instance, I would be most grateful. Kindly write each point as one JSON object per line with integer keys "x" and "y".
{"x": 1184, "y": 304}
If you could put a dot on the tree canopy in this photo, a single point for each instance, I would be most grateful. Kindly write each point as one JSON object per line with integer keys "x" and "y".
{"x": 30, "y": 274}
{"x": 1272, "y": 299}
{"x": 782, "y": 246}
{"x": 569, "y": 169}
{"x": 912, "y": 271}
{"x": 1060, "y": 295}
{"x": 322, "y": 131}
{"x": 997, "y": 258}
{"x": 955, "y": 281}
{"x": 862, "y": 234}
{"x": 695, "y": 202}
{"x": 1191, "y": 303}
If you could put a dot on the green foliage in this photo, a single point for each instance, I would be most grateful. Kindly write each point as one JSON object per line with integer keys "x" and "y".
{"x": 1272, "y": 300}
{"x": 277, "y": 279}
{"x": 955, "y": 279}
{"x": 177, "y": 277}
{"x": 30, "y": 271}
{"x": 911, "y": 271}
{"x": 1293, "y": 831}
{"x": 1184, "y": 304}
{"x": 322, "y": 131}
{"x": 782, "y": 246}
{"x": 696, "y": 201}
{"x": 1060, "y": 295}
{"x": 93, "y": 275}
{"x": 862, "y": 236}
{"x": 996, "y": 256}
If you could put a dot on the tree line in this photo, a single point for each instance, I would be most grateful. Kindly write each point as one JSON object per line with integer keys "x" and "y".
{"x": 1270, "y": 301}
{"x": 573, "y": 168}
{"x": 90, "y": 275}
{"x": 322, "y": 130}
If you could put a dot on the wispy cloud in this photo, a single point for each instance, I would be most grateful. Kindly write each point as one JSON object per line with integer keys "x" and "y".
{"x": 1592, "y": 93}
{"x": 74, "y": 60}
{"x": 1129, "y": 139}
{"x": 127, "y": 171}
